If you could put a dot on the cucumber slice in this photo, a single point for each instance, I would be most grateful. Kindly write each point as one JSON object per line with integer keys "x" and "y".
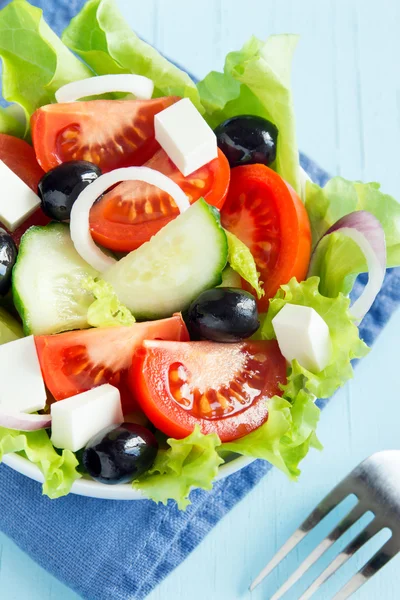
{"x": 10, "y": 329}
{"x": 47, "y": 280}
{"x": 164, "y": 275}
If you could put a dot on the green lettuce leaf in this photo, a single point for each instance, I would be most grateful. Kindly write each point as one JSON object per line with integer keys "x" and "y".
{"x": 256, "y": 81}
{"x": 346, "y": 343}
{"x": 230, "y": 278}
{"x": 337, "y": 262}
{"x": 102, "y": 38}
{"x": 10, "y": 328}
{"x": 190, "y": 462}
{"x": 287, "y": 435}
{"x": 106, "y": 310}
{"x": 241, "y": 260}
{"x": 35, "y": 61}
{"x": 9, "y": 124}
{"x": 338, "y": 259}
{"x": 59, "y": 470}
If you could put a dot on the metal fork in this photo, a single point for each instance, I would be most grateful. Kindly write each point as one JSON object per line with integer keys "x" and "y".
{"x": 376, "y": 485}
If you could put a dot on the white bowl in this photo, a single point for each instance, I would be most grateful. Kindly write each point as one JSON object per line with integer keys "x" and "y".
{"x": 93, "y": 489}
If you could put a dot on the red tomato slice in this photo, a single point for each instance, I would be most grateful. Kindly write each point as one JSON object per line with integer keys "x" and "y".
{"x": 20, "y": 157}
{"x": 133, "y": 212}
{"x": 221, "y": 387}
{"x": 109, "y": 133}
{"x": 268, "y": 216}
{"x": 78, "y": 361}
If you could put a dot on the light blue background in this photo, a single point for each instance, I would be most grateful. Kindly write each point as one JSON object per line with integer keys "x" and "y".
{"x": 347, "y": 95}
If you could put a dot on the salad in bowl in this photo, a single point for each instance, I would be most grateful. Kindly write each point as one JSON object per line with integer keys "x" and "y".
{"x": 175, "y": 290}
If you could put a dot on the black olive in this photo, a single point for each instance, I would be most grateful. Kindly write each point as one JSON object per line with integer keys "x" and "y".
{"x": 120, "y": 454}
{"x": 223, "y": 315}
{"x": 60, "y": 187}
{"x": 8, "y": 256}
{"x": 247, "y": 139}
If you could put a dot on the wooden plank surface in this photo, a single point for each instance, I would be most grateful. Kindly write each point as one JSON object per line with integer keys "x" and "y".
{"x": 347, "y": 94}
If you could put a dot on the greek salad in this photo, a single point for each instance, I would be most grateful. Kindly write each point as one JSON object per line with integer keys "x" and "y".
{"x": 175, "y": 291}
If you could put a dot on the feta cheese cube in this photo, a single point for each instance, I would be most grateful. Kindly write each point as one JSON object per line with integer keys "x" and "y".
{"x": 22, "y": 388}
{"x": 17, "y": 200}
{"x": 303, "y": 335}
{"x": 185, "y": 136}
{"x": 75, "y": 420}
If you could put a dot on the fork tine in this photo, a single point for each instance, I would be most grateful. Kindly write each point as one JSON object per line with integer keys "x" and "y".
{"x": 363, "y": 537}
{"x": 336, "y": 496}
{"x": 287, "y": 547}
{"x": 379, "y": 560}
{"x": 354, "y": 515}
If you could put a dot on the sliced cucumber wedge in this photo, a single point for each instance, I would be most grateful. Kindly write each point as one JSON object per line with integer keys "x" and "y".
{"x": 47, "y": 279}
{"x": 164, "y": 275}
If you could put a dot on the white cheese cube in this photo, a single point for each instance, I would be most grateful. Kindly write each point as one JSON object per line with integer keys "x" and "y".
{"x": 17, "y": 200}
{"x": 75, "y": 420}
{"x": 185, "y": 136}
{"x": 22, "y": 388}
{"x": 303, "y": 335}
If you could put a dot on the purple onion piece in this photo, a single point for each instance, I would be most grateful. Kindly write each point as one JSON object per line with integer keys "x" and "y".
{"x": 23, "y": 421}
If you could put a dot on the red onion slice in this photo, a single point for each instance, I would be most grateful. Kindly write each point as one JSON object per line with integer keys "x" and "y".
{"x": 365, "y": 229}
{"x": 23, "y": 421}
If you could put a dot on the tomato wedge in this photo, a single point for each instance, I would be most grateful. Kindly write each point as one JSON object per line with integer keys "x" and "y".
{"x": 20, "y": 157}
{"x": 269, "y": 217}
{"x": 109, "y": 133}
{"x": 78, "y": 361}
{"x": 131, "y": 213}
{"x": 223, "y": 388}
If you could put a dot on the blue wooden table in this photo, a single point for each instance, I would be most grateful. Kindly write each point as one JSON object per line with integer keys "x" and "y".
{"x": 347, "y": 95}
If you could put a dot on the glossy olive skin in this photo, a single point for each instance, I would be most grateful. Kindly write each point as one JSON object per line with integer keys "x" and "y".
{"x": 120, "y": 454}
{"x": 247, "y": 139}
{"x": 223, "y": 315}
{"x": 8, "y": 256}
{"x": 60, "y": 187}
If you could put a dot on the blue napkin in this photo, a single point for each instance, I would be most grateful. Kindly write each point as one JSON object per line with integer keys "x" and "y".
{"x": 109, "y": 550}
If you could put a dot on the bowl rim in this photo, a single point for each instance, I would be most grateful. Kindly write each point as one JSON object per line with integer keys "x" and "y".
{"x": 93, "y": 489}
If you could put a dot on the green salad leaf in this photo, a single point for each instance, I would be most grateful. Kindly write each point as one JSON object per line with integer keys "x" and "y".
{"x": 102, "y": 38}
{"x": 190, "y": 462}
{"x": 287, "y": 435}
{"x": 327, "y": 205}
{"x": 337, "y": 262}
{"x": 9, "y": 124}
{"x": 59, "y": 470}
{"x": 338, "y": 259}
{"x": 256, "y": 81}
{"x": 230, "y": 278}
{"x": 35, "y": 61}
{"x": 106, "y": 310}
{"x": 346, "y": 343}
{"x": 241, "y": 260}
{"x": 10, "y": 328}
